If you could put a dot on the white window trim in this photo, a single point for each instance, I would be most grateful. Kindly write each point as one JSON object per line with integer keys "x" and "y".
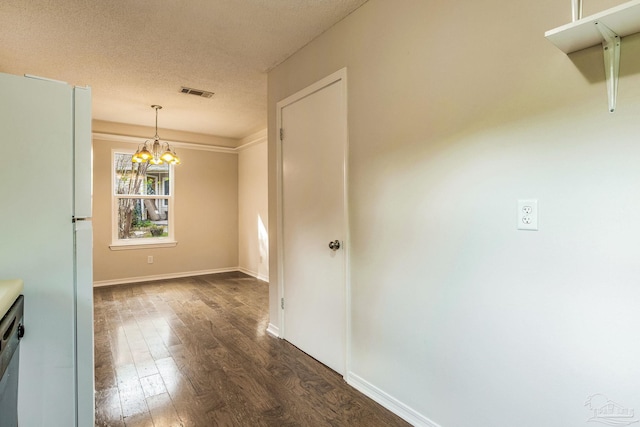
{"x": 143, "y": 243}
{"x": 129, "y": 246}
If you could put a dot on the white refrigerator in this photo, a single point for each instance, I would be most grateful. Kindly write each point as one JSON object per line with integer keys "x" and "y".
{"x": 46, "y": 240}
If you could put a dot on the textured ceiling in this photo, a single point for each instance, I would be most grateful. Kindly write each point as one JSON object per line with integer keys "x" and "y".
{"x": 134, "y": 53}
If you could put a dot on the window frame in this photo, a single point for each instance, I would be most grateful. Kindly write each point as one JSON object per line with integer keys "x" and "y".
{"x": 144, "y": 242}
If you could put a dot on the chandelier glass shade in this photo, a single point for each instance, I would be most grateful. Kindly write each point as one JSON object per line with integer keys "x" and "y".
{"x": 157, "y": 152}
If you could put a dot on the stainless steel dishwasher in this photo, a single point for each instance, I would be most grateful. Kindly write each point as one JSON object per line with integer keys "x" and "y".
{"x": 11, "y": 330}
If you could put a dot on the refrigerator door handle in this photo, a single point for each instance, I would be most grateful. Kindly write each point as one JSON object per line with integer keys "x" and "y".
{"x": 74, "y": 219}
{"x": 84, "y": 344}
{"x": 82, "y": 175}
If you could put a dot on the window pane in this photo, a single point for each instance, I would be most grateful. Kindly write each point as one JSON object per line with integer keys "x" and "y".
{"x": 158, "y": 179}
{"x": 140, "y": 178}
{"x": 143, "y": 218}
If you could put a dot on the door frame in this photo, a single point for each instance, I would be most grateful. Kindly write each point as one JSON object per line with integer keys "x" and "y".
{"x": 340, "y": 75}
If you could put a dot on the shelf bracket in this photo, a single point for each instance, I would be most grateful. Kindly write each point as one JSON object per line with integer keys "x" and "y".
{"x": 611, "y": 51}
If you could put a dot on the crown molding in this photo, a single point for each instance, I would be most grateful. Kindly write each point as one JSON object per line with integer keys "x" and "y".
{"x": 252, "y": 140}
{"x": 188, "y": 145}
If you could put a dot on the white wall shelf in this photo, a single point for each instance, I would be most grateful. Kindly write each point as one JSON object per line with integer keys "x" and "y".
{"x": 606, "y": 28}
{"x": 623, "y": 20}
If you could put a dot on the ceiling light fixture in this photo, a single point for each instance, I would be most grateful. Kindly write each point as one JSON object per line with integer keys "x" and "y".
{"x": 161, "y": 152}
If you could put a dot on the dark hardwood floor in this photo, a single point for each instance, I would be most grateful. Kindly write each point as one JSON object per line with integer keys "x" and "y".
{"x": 194, "y": 352}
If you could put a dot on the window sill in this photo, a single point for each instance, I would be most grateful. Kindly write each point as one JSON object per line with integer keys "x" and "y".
{"x": 142, "y": 245}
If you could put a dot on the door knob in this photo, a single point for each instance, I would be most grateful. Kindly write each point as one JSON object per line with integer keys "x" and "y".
{"x": 335, "y": 245}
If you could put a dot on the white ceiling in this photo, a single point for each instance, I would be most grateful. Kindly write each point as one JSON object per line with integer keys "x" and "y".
{"x": 135, "y": 53}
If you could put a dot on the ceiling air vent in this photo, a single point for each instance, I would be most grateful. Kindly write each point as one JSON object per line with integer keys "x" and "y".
{"x": 196, "y": 92}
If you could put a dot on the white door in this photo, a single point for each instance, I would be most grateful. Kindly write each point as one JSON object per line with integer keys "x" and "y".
{"x": 313, "y": 147}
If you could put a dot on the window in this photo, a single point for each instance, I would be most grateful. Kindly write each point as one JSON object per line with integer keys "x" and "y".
{"x": 142, "y": 203}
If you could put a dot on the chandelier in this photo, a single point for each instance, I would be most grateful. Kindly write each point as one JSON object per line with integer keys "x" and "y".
{"x": 161, "y": 152}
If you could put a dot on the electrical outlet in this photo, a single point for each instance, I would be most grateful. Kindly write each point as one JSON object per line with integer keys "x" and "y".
{"x": 150, "y": 259}
{"x": 527, "y": 214}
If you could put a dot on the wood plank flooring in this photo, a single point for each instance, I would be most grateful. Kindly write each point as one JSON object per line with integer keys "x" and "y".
{"x": 194, "y": 352}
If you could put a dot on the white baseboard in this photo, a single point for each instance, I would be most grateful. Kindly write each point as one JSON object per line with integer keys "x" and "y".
{"x": 162, "y": 277}
{"x": 273, "y": 330}
{"x": 254, "y": 274}
{"x": 389, "y": 402}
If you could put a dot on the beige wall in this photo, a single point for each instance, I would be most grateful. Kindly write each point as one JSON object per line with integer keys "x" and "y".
{"x": 206, "y": 216}
{"x": 456, "y": 111}
{"x": 253, "y": 210}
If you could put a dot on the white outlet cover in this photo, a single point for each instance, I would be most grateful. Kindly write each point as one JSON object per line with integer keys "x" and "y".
{"x": 528, "y": 214}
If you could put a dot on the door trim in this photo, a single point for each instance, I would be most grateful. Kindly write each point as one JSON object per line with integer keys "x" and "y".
{"x": 340, "y": 75}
